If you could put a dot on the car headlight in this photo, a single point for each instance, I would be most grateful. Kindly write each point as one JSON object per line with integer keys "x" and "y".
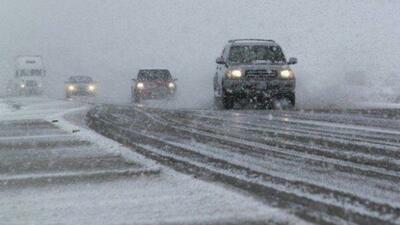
{"x": 22, "y": 85}
{"x": 71, "y": 88}
{"x": 140, "y": 85}
{"x": 92, "y": 88}
{"x": 234, "y": 74}
{"x": 287, "y": 74}
{"x": 171, "y": 85}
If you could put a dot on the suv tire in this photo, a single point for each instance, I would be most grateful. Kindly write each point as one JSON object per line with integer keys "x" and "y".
{"x": 223, "y": 102}
{"x": 227, "y": 101}
{"x": 285, "y": 102}
{"x": 292, "y": 99}
{"x": 136, "y": 98}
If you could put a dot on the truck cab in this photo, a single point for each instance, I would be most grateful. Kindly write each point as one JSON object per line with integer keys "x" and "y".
{"x": 29, "y": 76}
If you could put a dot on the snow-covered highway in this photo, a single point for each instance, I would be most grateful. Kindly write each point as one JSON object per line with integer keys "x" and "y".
{"x": 328, "y": 167}
{"x": 55, "y": 170}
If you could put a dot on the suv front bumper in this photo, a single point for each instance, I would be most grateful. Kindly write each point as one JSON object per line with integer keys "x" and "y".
{"x": 245, "y": 88}
{"x": 154, "y": 94}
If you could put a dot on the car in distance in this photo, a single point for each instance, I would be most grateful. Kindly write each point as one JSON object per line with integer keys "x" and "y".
{"x": 254, "y": 70}
{"x": 153, "y": 84}
{"x": 80, "y": 86}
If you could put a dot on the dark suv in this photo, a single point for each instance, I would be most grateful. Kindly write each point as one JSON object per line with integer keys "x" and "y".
{"x": 254, "y": 70}
{"x": 153, "y": 84}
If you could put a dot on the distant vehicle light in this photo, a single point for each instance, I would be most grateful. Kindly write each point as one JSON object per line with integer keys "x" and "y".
{"x": 22, "y": 85}
{"x": 71, "y": 88}
{"x": 92, "y": 87}
{"x": 171, "y": 85}
{"x": 140, "y": 85}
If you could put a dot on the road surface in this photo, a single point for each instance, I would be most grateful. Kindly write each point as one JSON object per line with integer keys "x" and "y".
{"x": 325, "y": 166}
{"x": 55, "y": 170}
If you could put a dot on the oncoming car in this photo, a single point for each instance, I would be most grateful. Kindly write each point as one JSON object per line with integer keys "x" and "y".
{"x": 80, "y": 86}
{"x": 254, "y": 70}
{"x": 153, "y": 84}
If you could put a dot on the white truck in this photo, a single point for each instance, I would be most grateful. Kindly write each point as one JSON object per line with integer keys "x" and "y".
{"x": 29, "y": 76}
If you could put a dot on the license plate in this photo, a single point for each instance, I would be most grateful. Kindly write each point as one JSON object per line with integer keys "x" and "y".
{"x": 262, "y": 85}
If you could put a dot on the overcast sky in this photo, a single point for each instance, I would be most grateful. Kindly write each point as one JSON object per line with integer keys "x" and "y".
{"x": 111, "y": 39}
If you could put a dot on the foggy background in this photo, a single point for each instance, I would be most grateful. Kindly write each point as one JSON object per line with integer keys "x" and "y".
{"x": 346, "y": 49}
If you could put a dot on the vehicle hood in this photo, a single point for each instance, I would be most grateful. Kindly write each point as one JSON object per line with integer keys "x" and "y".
{"x": 81, "y": 84}
{"x": 157, "y": 83}
{"x": 272, "y": 67}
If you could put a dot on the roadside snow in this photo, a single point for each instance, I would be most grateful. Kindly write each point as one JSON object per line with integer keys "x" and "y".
{"x": 4, "y": 107}
{"x": 383, "y": 105}
{"x": 93, "y": 137}
{"x": 162, "y": 200}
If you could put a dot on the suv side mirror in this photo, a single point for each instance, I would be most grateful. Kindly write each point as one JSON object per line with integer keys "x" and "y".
{"x": 292, "y": 61}
{"x": 134, "y": 80}
{"x": 175, "y": 79}
{"x": 220, "y": 61}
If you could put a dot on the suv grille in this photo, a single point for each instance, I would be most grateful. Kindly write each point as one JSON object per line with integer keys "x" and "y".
{"x": 260, "y": 74}
{"x": 31, "y": 83}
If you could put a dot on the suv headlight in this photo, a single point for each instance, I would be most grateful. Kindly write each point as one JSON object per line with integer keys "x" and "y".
{"x": 234, "y": 74}
{"x": 286, "y": 74}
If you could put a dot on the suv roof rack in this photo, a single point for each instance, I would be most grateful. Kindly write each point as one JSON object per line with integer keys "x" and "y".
{"x": 236, "y": 40}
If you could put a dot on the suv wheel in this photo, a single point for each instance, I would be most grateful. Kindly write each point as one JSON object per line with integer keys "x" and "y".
{"x": 227, "y": 102}
{"x": 217, "y": 102}
{"x": 136, "y": 98}
{"x": 292, "y": 99}
{"x": 287, "y": 101}
{"x": 224, "y": 101}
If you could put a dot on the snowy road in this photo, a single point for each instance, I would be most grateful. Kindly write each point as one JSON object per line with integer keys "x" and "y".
{"x": 55, "y": 170}
{"x": 328, "y": 167}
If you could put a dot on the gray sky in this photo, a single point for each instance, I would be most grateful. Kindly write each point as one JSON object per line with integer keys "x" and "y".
{"x": 111, "y": 39}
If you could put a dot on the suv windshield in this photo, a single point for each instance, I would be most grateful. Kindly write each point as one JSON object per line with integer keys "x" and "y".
{"x": 252, "y": 53}
{"x": 80, "y": 79}
{"x": 154, "y": 75}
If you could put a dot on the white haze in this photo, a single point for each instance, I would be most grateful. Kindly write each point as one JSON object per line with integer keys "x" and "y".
{"x": 111, "y": 39}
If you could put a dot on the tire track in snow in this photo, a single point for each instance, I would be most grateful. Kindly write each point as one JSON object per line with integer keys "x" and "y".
{"x": 195, "y": 159}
